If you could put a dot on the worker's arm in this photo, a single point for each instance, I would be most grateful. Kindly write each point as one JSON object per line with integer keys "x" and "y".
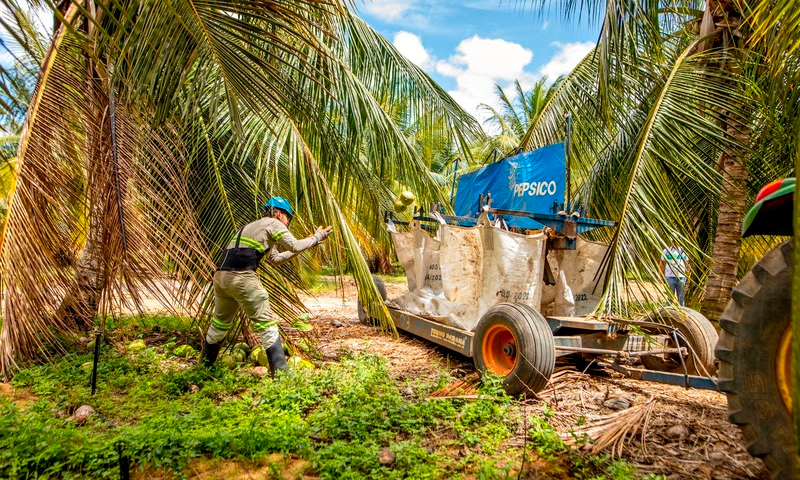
{"x": 661, "y": 264}
{"x": 283, "y": 237}
{"x": 292, "y": 246}
{"x": 276, "y": 258}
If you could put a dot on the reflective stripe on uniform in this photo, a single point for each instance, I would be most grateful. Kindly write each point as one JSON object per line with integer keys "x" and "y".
{"x": 220, "y": 324}
{"x": 249, "y": 242}
{"x": 278, "y": 235}
{"x": 259, "y": 326}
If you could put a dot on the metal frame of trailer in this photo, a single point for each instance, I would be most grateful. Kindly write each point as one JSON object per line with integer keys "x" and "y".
{"x": 584, "y": 337}
{"x": 571, "y": 335}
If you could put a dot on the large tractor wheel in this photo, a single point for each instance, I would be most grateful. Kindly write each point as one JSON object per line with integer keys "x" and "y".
{"x": 363, "y": 316}
{"x": 755, "y": 360}
{"x": 515, "y": 341}
{"x": 695, "y": 328}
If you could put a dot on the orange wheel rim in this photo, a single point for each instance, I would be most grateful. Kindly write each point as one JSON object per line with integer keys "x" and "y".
{"x": 784, "y": 367}
{"x": 499, "y": 350}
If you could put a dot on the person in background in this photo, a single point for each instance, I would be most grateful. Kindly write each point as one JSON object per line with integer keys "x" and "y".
{"x": 236, "y": 284}
{"x": 674, "y": 263}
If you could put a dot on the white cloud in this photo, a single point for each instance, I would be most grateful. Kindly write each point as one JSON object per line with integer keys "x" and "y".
{"x": 411, "y": 46}
{"x": 545, "y": 25}
{"x": 565, "y": 60}
{"x": 480, "y": 63}
{"x": 389, "y": 10}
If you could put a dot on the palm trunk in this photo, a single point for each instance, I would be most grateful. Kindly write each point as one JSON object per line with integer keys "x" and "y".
{"x": 81, "y": 303}
{"x": 728, "y": 240}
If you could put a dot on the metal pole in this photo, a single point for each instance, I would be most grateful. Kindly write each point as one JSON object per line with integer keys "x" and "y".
{"x": 568, "y": 197}
{"x": 97, "y": 340}
{"x": 453, "y": 189}
{"x": 124, "y": 462}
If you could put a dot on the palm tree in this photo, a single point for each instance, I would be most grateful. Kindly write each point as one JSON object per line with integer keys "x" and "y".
{"x": 664, "y": 111}
{"x": 157, "y": 127}
{"x": 516, "y": 116}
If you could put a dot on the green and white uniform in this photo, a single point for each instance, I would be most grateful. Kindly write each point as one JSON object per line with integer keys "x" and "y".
{"x": 237, "y": 285}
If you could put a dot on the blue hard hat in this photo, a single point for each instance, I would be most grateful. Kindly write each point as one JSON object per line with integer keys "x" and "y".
{"x": 281, "y": 204}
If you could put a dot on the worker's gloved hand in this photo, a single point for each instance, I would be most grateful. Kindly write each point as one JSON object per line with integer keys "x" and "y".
{"x": 322, "y": 233}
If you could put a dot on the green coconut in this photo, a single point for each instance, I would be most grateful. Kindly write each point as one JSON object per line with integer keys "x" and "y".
{"x": 87, "y": 366}
{"x": 243, "y": 347}
{"x": 184, "y": 351}
{"x": 229, "y": 361}
{"x": 399, "y": 206}
{"x": 259, "y": 356}
{"x": 407, "y": 198}
{"x": 91, "y": 345}
{"x": 137, "y": 346}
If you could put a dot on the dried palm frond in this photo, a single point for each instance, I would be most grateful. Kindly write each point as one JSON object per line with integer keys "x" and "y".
{"x": 216, "y": 106}
{"x": 610, "y": 432}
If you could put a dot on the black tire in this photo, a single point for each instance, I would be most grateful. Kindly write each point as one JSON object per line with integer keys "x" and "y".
{"x": 363, "y": 317}
{"x": 700, "y": 333}
{"x": 753, "y": 323}
{"x": 534, "y": 347}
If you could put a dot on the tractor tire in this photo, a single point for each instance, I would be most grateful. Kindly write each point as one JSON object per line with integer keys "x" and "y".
{"x": 515, "y": 341}
{"x": 363, "y": 317}
{"x": 754, "y": 352}
{"x": 701, "y": 335}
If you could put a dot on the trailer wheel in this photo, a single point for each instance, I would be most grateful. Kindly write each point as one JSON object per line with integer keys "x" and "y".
{"x": 515, "y": 341}
{"x": 363, "y": 317}
{"x": 698, "y": 331}
{"x": 755, "y": 360}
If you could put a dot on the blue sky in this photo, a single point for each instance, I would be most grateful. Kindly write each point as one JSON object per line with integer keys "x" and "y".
{"x": 468, "y": 46}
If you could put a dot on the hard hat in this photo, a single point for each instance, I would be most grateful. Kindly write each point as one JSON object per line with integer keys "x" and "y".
{"x": 281, "y": 204}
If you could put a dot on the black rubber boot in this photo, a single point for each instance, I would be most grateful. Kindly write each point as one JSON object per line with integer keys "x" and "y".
{"x": 209, "y": 354}
{"x": 276, "y": 357}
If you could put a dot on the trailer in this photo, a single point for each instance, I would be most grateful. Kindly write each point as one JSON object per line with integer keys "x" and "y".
{"x": 479, "y": 288}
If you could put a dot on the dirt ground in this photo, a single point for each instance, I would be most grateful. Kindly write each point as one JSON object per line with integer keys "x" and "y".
{"x": 666, "y": 429}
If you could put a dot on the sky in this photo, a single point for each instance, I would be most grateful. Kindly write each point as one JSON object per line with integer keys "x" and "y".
{"x": 468, "y": 46}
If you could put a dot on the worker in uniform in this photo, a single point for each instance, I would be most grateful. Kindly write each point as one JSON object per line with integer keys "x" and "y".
{"x": 674, "y": 263}
{"x": 236, "y": 284}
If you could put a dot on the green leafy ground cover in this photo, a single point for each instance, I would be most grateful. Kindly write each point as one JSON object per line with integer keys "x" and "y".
{"x": 337, "y": 418}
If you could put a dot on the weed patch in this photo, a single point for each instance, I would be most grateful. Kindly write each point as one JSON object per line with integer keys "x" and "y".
{"x": 165, "y": 413}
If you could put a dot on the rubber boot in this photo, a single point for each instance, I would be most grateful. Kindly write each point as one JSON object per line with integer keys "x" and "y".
{"x": 276, "y": 357}
{"x": 209, "y": 354}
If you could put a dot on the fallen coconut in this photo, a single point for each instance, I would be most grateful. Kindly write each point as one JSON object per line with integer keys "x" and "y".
{"x": 229, "y": 361}
{"x": 184, "y": 351}
{"x": 386, "y": 457}
{"x": 617, "y": 403}
{"x": 243, "y": 347}
{"x": 87, "y": 366}
{"x": 82, "y": 414}
{"x": 137, "y": 346}
{"x": 259, "y": 371}
{"x": 259, "y": 356}
{"x": 677, "y": 432}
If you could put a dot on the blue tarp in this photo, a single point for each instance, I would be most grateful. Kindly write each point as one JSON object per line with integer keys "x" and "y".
{"x": 530, "y": 182}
